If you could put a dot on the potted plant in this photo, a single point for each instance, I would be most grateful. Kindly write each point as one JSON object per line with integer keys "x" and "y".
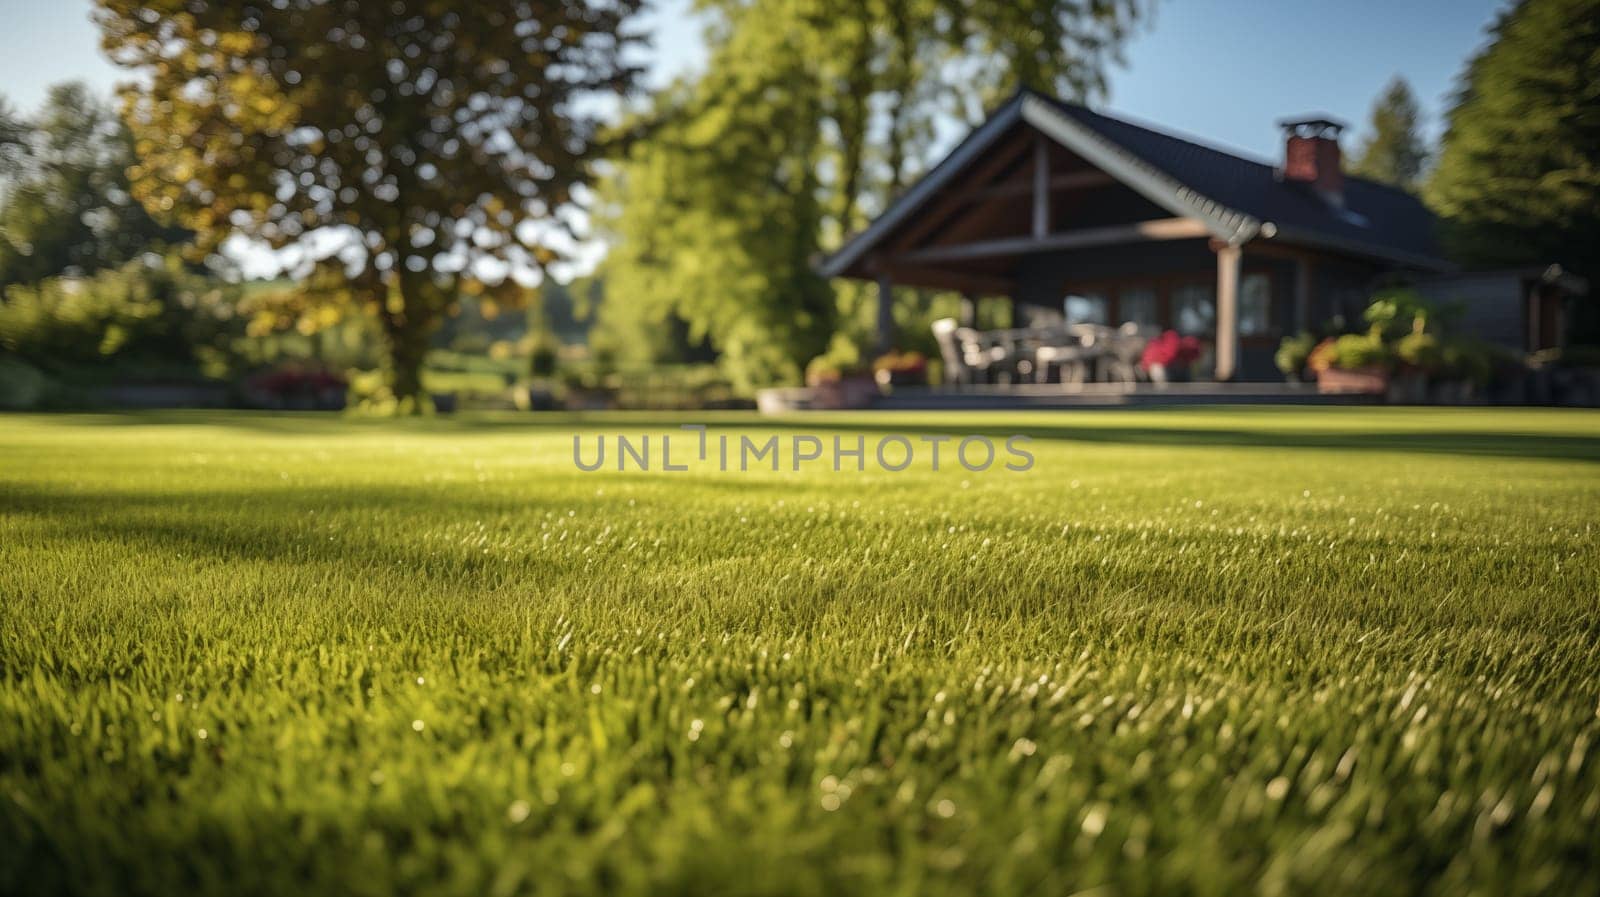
{"x": 1168, "y": 358}
{"x": 1352, "y": 364}
{"x": 1292, "y": 355}
{"x": 835, "y": 386}
{"x": 896, "y": 368}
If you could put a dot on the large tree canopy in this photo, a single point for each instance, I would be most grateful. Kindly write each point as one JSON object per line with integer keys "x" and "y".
{"x": 1518, "y": 177}
{"x": 1394, "y": 153}
{"x": 445, "y": 140}
{"x": 64, "y": 200}
{"x": 808, "y": 116}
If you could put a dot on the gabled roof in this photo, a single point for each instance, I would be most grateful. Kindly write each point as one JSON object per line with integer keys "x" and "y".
{"x": 1237, "y": 199}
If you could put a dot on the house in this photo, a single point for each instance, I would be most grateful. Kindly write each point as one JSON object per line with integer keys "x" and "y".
{"x": 1087, "y": 217}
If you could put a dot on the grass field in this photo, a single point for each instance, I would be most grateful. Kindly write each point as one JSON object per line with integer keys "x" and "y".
{"x": 1271, "y": 651}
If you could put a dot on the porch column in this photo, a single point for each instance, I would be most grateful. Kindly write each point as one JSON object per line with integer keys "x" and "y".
{"x": 1041, "y": 187}
{"x": 885, "y": 314}
{"x": 1227, "y": 311}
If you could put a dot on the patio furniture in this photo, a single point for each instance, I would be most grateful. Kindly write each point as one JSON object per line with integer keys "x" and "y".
{"x": 1071, "y": 358}
{"x": 972, "y": 356}
{"x": 1125, "y": 346}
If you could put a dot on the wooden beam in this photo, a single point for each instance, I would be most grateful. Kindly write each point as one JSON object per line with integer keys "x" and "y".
{"x": 1041, "y": 186}
{"x": 1228, "y": 258}
{"x": 940, "y": 210}
{"x": 1144, "y": 231}
{"x": 1070, "y": 181}
{"x": 946, "y": 279}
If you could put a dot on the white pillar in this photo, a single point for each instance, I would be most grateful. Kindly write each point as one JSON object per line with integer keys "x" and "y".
{"x": 1227, "y": 311}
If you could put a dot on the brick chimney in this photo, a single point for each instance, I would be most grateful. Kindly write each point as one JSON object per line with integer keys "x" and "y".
{"x": 1311, "y": 156}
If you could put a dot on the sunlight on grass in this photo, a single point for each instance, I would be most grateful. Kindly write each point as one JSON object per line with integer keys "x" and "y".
{"x": 1216, "y": 651}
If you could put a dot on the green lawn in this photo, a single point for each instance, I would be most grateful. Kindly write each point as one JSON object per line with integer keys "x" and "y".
{"x": 1271, "y": 651}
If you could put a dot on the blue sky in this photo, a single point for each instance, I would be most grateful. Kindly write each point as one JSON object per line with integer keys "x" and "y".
{"x": 1222, "y": 71}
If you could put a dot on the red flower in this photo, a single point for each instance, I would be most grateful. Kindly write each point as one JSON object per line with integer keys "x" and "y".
{"x": 1170, "y": 350}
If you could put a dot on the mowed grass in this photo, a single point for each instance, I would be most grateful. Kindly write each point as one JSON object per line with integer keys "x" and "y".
{"x": 1271, "y": 651}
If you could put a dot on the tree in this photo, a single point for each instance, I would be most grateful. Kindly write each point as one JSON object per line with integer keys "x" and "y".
{"x": 1518, "y": 177}
{"x": 445, "y": 141}
{"x": 13, "y": 138}
{"x": 809, "y": 116}
{"x": 1394, "y": 152}
{"x": 66, "y": 204}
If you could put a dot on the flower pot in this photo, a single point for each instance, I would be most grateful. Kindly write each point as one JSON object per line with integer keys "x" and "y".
{"x": 1367, "y": 381}
{"x": 846, "y": 392}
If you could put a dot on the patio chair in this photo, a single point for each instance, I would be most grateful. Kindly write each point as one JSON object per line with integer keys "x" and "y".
{"x": 955, "y": 368}
{"x": 1065, "y": 351}
{"x": 1125, "y": 347}
{"x": 984, "y": 355}
{"x": 969, "y": 355}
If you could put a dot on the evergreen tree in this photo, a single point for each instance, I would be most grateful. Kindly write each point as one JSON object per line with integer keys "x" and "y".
{"x": 1518, "y": 177}
{"x": 1394, "y": 153}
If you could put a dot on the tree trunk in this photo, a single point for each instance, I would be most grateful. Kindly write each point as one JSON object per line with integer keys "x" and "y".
{"x": 407, "y": 332}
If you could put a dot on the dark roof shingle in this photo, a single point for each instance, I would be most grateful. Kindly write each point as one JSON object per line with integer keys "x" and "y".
{"x": 1381, "y": 219}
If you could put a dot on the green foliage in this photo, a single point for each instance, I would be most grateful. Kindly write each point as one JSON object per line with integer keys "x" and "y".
{"x": 436, "y": 138}
{"x": 1518, "y": 177}
{"x": 1419, "y": 350}
{"x": 842, "y": 357}
{"x": 719, "y": 220}
{"x": 811, "y": 115}
{"x": 23, "y": 387}
{"x": 1246, "y": 651}
{"x": 1393, "y": 312}
{"x": 150, "y": 311}
{"x": 1353, "y": 351}
{"x": 65, "y": 203}
{"x": 1468, "y": 359}
{"x": 1294, "y": 352}
{"x": 1394, "y": 152}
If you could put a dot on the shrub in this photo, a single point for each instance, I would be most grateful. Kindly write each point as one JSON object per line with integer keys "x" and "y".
{"x": 1467, "y": 359}
{"x": 1362, "y": 350}
{"x": 841, "y": 360}
{"x": 1294, "y": 352}
{"x": 542, "y": 360}
{"x": 149, "y": 312}
{"x": 1418, "y": 350}
{"x": 1349, "y": 352}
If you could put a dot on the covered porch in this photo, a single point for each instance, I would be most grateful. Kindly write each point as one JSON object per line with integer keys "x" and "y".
{"x": 1072, "y": 229}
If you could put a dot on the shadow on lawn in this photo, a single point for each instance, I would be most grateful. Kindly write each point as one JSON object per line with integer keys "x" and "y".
{"x": 1170, "y": 428}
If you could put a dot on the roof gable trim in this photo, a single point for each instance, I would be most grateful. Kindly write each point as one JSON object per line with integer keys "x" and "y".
{"x": 1222, "y": 222}
{"x": 1154, "y": 184}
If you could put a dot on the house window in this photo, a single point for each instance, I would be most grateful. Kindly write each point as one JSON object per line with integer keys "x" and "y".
{"x": 1087, "y": 308}
{"x": 1194, "y": 309}
{"x": 1139, "y": 307}
{"x": 1255, "y": 305}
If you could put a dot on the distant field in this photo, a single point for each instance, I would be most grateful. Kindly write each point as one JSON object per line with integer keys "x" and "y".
{"x": 1256, "y": 651}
